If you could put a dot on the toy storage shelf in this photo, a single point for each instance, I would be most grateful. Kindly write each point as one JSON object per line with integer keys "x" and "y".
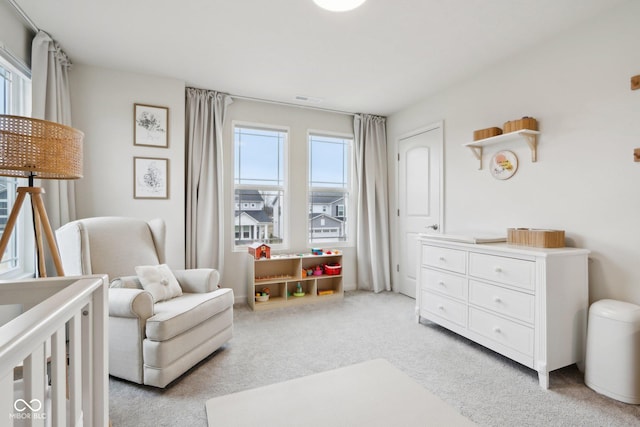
{"x": 282, "y": 275}
{"x": 526, "y": 135}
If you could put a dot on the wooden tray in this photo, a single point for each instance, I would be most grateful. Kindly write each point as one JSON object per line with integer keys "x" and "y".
{"x": 523, "y": 123}
{"x": 535, "y": 237}
{"x": 486, "y": 133}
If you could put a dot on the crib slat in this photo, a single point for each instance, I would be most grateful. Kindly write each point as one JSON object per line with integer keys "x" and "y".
{"x": 6, "y": 399}
{"x": 100, "y": 344}
{"x": 75, "y": 369}
{"x": 34, "y": 385}
{"x": 58, "y": 379}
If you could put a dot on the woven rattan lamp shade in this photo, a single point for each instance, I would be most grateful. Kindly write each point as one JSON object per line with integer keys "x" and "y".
{"x": 41, "y": 148}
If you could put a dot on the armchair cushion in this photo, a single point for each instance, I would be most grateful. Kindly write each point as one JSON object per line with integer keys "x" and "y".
{"x": 175, "y": 316}
{"x": 159, "y": 281}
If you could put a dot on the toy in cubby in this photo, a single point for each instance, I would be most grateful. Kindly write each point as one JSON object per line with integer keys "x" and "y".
{"x": 263, "y": 295}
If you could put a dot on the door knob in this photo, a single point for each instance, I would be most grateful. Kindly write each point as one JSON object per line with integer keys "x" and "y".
{"x": 432, "y": 226}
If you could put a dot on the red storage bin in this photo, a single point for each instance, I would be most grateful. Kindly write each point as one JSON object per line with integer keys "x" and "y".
{"x": 332, "y": 269}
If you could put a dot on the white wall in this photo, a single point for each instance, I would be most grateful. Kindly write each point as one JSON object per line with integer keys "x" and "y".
{"x": 102, "y": 107}
{"x": 585, "y": 180}
{"x": 298, "y": 121}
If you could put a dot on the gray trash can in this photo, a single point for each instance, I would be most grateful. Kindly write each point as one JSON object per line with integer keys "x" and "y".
{"x": 612, "y": 361}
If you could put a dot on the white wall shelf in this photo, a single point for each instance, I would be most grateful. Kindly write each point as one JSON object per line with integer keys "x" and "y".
{"x": 526, "y": 135}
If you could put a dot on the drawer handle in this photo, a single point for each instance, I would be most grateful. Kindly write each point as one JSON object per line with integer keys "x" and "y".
{"x": 498, "y": 270}
{"x": 442, "y": 259}
{"x": 440, "y": 307}
{"x": 441, "y": 283}
{"x": 496, "y": 330}
{"x": 497, "y": 299}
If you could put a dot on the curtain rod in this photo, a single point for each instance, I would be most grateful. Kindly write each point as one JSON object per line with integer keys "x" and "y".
{"x": 291, "y": 104}
{"x": 24, "y": 16}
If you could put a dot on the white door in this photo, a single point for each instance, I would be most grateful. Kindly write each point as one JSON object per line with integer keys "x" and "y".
{"x": 419, "y": 197}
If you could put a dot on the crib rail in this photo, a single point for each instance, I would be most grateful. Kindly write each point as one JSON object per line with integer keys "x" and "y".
{"x": 60, "y": 341}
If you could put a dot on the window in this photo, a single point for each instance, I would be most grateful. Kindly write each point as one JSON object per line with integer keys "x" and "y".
{"x": 329, "y": 187}
{"x": 259, "y": 185}
{"x": 15, "y": 99}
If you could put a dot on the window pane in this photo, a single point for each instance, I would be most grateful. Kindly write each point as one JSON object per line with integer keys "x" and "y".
{"x": 329, "y": 169}
{"x": 7, "y": 198}
{"x": 259, "y": 185}
{"x": 258, "y": 217}
{"x": 14, "y": 99}
{"x": 328, "y": 161}
{"x": 259, "y": 156}
{"x": 4, "y": 90}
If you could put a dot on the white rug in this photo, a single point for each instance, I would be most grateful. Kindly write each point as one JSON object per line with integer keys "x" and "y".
{"x": 373, "y": 393}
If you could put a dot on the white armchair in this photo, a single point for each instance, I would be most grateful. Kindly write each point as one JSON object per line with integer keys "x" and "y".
{"x": 149, "y": 343}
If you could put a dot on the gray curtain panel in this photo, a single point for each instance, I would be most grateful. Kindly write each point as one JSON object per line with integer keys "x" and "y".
{"x": 205, "y": 112}
{"x": 372, "y": 240}
{"x": 51, "y": 100}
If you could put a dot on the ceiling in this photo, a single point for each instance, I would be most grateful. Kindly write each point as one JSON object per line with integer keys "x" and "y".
{"x": 377, "y": 59}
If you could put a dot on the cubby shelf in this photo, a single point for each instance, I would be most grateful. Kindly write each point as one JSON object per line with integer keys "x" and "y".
{"x": 282, "y": 275}
{"x": 528, "y": 136}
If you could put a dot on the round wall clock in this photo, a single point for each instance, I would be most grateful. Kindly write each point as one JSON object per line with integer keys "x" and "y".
{"x": 503, "y": 165}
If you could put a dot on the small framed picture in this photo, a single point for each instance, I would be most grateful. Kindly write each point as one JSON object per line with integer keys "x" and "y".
{"x": 150, "y": 126}
{"x": 503, "y": 164}
{"x": 150, "y": 178}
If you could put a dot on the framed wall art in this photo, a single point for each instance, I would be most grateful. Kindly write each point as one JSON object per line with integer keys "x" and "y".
{"x": 503, "y": 164}
{"x": 150, "y": 178}
{"x": 151, "y": 126}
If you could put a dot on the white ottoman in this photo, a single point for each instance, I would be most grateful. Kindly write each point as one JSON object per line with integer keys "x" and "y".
{"x": 612, "y": 361}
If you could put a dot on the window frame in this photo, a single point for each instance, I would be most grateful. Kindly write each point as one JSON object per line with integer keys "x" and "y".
{"x": 19, "y": 103}
{"x": 284, "y": 187}
{"x": 349, "y": 190}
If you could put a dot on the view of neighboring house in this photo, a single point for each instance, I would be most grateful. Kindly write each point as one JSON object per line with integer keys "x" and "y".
{"x": 258, "y": 217}
{"x": 253, "y": 218}
{"x": 327, "y": 217}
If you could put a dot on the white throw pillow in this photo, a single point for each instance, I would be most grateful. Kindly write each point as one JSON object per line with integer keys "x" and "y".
{"x": 159, "y": 281}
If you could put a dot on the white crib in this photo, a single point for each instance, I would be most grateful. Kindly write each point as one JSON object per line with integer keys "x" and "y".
{"x": 59, "y": 347}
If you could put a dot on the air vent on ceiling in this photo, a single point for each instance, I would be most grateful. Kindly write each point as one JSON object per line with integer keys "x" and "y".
{"x": 310, "y": 99}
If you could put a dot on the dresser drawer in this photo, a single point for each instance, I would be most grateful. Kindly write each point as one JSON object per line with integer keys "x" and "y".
{"x": 444, "y": 307}
{"x": 447, "y": 259}
{"x": 505, "y": 301}
{"x": 445, "y": 283}
{"x": 505, "y": 332}
{"x": 510, "y": 271}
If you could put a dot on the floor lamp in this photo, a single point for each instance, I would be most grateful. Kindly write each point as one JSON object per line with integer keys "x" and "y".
{"x": 33, "y": 148}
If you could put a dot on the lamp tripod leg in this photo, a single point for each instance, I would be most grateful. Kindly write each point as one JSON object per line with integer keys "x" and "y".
{"x": 36, "y": 200}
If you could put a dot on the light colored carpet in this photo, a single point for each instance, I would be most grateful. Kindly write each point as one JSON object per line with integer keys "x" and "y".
{"x": 270, "y": 347}
{"x": 372, "y": 393}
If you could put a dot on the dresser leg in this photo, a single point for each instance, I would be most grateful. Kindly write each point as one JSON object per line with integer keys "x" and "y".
{"x": 543, "y": 379}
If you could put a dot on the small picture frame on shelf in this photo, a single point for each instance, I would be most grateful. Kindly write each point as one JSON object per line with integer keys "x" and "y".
{"x": 150, "y": 126}
{"x": 150, "y": 178}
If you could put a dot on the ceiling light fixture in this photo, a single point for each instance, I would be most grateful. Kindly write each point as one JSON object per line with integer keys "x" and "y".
{"x": 338, "y": 5}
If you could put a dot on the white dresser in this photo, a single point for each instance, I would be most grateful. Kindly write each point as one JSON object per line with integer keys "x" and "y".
{"x": 528, "y": 304}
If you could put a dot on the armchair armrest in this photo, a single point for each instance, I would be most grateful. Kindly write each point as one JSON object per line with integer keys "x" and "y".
{"x": 131, "y": 303}
{"x": 198, "y": 280}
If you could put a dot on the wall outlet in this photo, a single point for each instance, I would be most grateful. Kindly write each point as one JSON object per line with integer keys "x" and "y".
{"x": 635, "y": 82}
{"x": 636, "y": 155}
